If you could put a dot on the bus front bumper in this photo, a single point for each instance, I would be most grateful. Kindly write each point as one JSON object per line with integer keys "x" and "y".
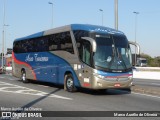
{"x": 118, "y": 83}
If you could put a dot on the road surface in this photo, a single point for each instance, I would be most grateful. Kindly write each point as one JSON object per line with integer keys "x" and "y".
{"x": 48, "y": 97}
{"x": 147, "y": 82}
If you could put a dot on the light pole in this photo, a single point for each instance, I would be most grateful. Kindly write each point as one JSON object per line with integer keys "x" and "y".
{"x": 3, "y": 32}
{"x": 102, "y": 15}
{"x": 136, "y": 13}
{"x": 5, "y": 38}
{"x": 52, "y": 13}
{"x": 116, "y": 13}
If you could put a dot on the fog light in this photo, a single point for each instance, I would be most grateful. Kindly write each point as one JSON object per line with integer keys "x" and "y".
{"x": 99, "y": 84}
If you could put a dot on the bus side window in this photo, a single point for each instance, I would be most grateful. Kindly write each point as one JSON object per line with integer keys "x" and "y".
{"x": 68, "y": 45}
{"x": 15, "y": 47}
{"x": 52, "y": 43}
{"x": 85, "y": 52}
{"x": 61, "y": 41}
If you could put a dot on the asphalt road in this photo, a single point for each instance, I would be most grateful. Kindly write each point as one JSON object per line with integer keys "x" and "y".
{"x": 48, "y": 97}
{"x": 147, "y": 82}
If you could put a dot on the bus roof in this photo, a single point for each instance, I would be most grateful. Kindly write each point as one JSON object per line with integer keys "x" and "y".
{"x": 95, "y": 28}
{"x": 86, "y": 27}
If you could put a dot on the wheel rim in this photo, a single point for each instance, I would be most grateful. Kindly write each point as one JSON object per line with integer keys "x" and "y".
{"x": 23, "y": 76}
{"x": 70, "y": 83}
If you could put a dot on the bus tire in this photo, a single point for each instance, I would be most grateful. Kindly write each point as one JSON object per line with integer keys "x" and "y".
{"x": 102, "y": 90}
{"x": 69, "y": 83}
{"x": 23, "y": 76}
{"x": 127, "y": 90}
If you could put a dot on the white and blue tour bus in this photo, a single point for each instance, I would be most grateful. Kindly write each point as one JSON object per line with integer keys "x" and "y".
{"x": 76, "y": 56}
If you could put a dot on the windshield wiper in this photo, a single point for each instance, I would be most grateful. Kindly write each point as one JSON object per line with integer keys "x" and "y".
{"x": 120, "y": 58}
{"x": 113, "y": 56}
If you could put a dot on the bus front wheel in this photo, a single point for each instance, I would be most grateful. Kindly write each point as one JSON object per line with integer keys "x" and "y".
{"x": 23, "y": 76}
{"x": 69, "y": 83}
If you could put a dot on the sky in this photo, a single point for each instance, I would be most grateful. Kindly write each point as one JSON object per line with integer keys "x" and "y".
{"x": 26, "y": 17}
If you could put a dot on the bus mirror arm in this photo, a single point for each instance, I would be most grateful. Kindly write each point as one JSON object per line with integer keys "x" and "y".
{"x": 136, "y": 45}
{"x": 92, "y": 41}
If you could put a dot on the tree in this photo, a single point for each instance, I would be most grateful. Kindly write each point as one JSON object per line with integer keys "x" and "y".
{"x": 152, "y": 62}
{"x": 1, "y": 54}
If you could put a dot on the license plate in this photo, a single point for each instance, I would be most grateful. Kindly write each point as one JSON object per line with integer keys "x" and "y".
{"x": 117, "y": 85}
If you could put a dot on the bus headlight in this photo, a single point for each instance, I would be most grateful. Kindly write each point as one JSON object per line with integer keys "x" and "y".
{"x": 99, "y": 76}
{"x": 130, "y": 77}
{"x": 99, "y": 84}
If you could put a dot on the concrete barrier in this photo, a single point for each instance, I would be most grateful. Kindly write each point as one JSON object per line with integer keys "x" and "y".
{"x": 157, "y": 69}
{"x": 147, "y": 73}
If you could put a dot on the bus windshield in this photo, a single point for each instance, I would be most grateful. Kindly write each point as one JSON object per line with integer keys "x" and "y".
{"x": 113, "y": 53}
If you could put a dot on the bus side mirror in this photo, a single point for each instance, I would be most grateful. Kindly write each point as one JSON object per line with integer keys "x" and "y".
{"x": 136, "y": 45}
{"x": 92, "y": 41}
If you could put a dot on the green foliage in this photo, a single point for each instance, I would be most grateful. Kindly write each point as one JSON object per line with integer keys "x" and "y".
{"x": 152, "y": 62}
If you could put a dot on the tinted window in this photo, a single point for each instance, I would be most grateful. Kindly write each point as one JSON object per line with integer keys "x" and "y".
{"x": 60, "y": 41}
{"x": 80, "y": 33}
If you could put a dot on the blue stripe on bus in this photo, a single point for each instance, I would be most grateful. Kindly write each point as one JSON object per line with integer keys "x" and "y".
{"x": 39, "y": 34}
{"x": 52, "y": 70}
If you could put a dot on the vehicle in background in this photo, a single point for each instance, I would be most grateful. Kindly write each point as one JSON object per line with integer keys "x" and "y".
{"x": 142, "y": 62}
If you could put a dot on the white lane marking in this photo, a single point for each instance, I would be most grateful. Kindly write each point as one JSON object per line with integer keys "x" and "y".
{"x": 145, "y": 95}
{"x": 12, "y": 79}
{"x": 3, "y": 84}
{"x": 21, "y": 91}
{"x": 40, "y": 94}
{"x": 29, "y": 91}
{"x": 43, "y": 86}
{"x": 2, "y": 88}
{"x": 155, "y": 84}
